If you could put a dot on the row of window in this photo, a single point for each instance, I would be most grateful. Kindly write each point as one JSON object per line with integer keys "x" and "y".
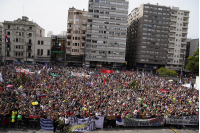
{"x": 154, "y": 43}
{"x": 20, "y": 27}
{"x": 153, "y": 34}
{"x": 75, "y": 50}
{"x": 105, "y": 57}
{"x": 71, "y": 13}
{"x": 150, "y": 47}
{"x": 157, "y": 8}
{"x": 109, "y": 2}
{"x": 20, "y": 40}
{"x": 76, "y": 26}
{"x": 18, "y": 53}
{"x": 40, "y": 42}
{"x": 40, "y": 52}
{"x": 105, "y": 47}
{"x": 159, "y": 13}
{"x": 156, "y": 17}
{"x": 154, "y": 39}
{"x": 76, "y": 44}
{"x": 108, "y": 52}
{"x": 152, "y": 56}
{"x": 152, "y": 60}
{"x": 153, "y": 30}
{"x": 151, "y": 52}
{"x": 154, "y": 21}
{"x": 156, "y": 26}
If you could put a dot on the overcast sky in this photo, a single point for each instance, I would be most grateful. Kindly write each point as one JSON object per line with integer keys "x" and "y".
{"x": 52, "y": 14}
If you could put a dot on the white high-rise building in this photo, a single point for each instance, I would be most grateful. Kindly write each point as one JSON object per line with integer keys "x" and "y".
{"x": 49, "y": 33}
{"x": 179, "y": 20}
{"x": 106, "y": 33}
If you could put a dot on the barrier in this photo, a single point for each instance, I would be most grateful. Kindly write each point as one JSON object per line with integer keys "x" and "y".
{"x": 46, "y": 124}
{"x": 183, "y": 120}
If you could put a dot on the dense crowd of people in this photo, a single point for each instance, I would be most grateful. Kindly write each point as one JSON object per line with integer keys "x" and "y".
{"x": 87, "y": 92}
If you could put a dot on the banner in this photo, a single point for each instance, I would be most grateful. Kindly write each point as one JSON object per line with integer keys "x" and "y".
{"x": 183, "y": 120}
{"x": 52, "y": 74}
{"x": 158, "y": 121}
{"x": 46, "y": 124}
{"x": 89, "y": 123}
{"x": 106, "y": 71}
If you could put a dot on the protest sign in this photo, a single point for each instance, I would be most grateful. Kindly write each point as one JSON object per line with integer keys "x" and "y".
{"x": 183, "y": 120}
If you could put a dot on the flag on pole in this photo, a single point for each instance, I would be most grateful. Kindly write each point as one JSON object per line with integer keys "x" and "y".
{"x": 104, "y": 82}
{"x": 6, "y": 38}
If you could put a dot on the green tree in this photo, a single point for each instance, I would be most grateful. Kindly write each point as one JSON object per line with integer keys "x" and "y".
{"x": 166, "y": 72}
{"x": 134, "y": 84}
{"x": 193, "y": 62}
{"x": 23, "y": 78}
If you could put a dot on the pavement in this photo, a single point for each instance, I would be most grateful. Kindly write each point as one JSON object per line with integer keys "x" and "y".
{"x": 164, "y": 129}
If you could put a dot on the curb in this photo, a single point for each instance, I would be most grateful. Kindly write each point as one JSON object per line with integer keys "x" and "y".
{"x": 173, "y": 130}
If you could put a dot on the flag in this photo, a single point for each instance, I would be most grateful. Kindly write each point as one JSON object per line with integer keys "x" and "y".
{"x": 119, "y": 121}
{"x": 6, "y": 38}
{"x": 42, "y": 96}
{"x": 104, "y": 82}
{"x": 59, "y": 81}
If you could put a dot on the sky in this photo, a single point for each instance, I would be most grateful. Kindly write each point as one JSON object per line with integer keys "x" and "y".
{"x": 52, "y": 15}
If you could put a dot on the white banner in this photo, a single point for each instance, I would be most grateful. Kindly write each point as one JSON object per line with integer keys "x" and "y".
{"x": 91, "y": 124}
{"x": 183, "y": 120}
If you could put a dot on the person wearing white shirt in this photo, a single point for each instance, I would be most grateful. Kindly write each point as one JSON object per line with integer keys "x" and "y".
{"x": 66, "y": 121}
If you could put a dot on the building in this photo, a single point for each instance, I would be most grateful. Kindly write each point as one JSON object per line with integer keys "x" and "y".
{"x": 194, "y": 44}
{"x": 106, "y": 33}
{"x": 42, "y": 50}
{"x": 179, "y": 20}
{"x": 22, "y": 34}
{"x": 62, "y": 33}
{"x": 49, "y": 33}
{"x": 58, "y": 50}
{"x": 76, "y": 36}
{"x": 2, "y": 40}
{"x": 147, "y": 37}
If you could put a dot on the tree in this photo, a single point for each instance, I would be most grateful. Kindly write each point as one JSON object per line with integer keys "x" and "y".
{"x": 166, "y": 72}
{"x": 193, "y": 62}
{"x": 23, "y": 78}
{"x": 134, "y": 84}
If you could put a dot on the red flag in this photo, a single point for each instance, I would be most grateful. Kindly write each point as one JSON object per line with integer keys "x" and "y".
{"x": 59, "y": 81}
{"x": 104, "y": 82}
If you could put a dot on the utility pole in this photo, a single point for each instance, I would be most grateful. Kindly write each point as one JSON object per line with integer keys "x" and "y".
{"x": 5, "y": 62}
{"x": 182, "y": 68}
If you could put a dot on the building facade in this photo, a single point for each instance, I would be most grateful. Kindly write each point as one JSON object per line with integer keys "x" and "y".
{"x": 2, "y": 40}
{"x": 58, "y": 50}
{"x": 179, "y": 20}
{"x": 42, "y": 50}
{"x": 147, "y": 37}
{"x": 194, "y": 44}
{"x": 22, "y": 34}
{"x": 106, "y": 33}
{"x": 49, "y": 33}
{"x": 76, "y": 36}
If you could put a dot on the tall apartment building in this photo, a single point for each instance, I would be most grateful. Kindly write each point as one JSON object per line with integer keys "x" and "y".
{"x": 21, "y": 34}
{"x": 147, "y": 37}
{"x": 2, "y": 40}
{"x": 76, "y": 36}
{"x": 106, "y": 33}
{"x": 49, "y": 33}
{"x": 179, "y": 20}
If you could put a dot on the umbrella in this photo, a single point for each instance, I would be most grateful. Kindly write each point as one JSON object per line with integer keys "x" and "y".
{"x": 9, "y": 86}
{"x": 170, "y": 80}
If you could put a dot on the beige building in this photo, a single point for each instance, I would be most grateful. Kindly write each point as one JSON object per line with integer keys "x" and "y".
{"x": 42, "y": 50}
{"x": 22, "y": 34}
{"x": 76, "y": 35}
{"x": 179, "y": 20}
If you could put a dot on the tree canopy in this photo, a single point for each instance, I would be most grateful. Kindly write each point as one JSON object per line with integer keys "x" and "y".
{"x": 166, "y": 72}
{"x": 193, "y": 62}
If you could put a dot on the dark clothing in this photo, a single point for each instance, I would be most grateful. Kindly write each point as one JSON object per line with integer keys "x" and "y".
{"x": 55, "y": 124}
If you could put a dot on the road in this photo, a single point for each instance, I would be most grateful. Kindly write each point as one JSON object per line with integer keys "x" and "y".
{"x": 113, "y": 130}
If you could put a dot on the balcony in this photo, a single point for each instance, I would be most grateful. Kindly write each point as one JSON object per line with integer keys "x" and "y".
{"x": 184, "y": 36}
{"x": 183, "y": 42}
{"x": 173, "y": 19}
{"x": 83, "y": 28}
{"x": 68, "y": 46}
{"x": 182, "y": 52}
{"x": 29, "y": 50}
{"x": 29, "y": 44}
{"x": 186, "y": 16}
{"x": 171, "y": 46}
{"x": 82, "y": 40}
{"x": 171, "y": 35}
{"x": 69, "y": 40}
{"x": 185, "y": 26}
{"x": 69, "y": 22}
{"x": 184, "y": 31}
{"x": 172, "y": 30}
{"x": 183, "y": 47}
{"x": 19, "y": 57}
{"x": 19, "y": 50}
{"x": 171, "y": 51}
{"x": 173, "y": 14}
{"x": 171, "y": 41}
{"x": 173, "y": 25}
{"x": 68, "y": 52}
{"x": 170, "y": 57}
{"x": 69, "y": 34}
{"x": 185, "y": 21}
{"x": 83, "y": 35}
{"x": 69, "y": 28}
{"x": 170, "y": 62}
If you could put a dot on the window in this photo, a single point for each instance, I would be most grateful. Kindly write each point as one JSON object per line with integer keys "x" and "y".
{"x": 16, "y": 39}
{"x": 41, "y": 51}
{"x": 42, "y": 42}
{"x": 8, "y": 33}
{"x": 146, "y": 6}
{"x": 30, "y": 34}
{"x": 48, "y": 51}
{"x": 96, "y": 1}
{"x": 8, "y": 26}
{"x": 38, "y": 52}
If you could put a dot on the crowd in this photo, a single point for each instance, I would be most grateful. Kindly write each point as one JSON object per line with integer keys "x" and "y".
{"x": 93, "y": 93}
